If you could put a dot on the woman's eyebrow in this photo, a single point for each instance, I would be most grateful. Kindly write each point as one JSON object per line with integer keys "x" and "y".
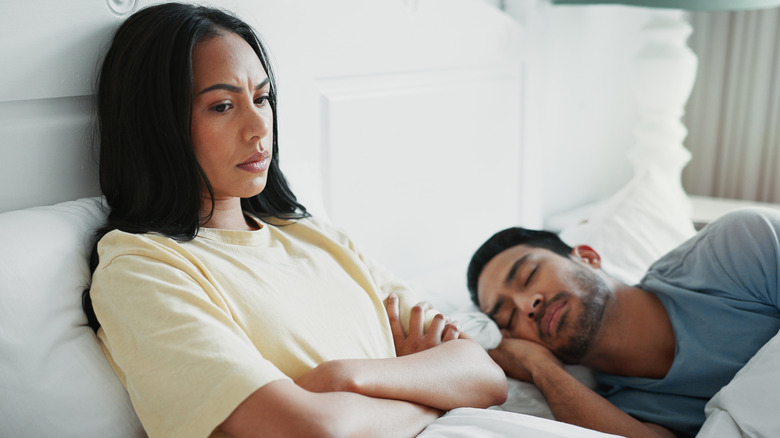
{"x": 232, "y": 88}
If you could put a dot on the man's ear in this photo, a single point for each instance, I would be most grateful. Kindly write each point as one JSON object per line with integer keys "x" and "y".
{"x": 588, "y": 255}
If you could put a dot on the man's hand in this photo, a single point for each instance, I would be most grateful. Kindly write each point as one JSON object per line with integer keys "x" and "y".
{"x": 570, "y": 401}
{"x": 418, "y": 338}
{"x": 519, "y": 357}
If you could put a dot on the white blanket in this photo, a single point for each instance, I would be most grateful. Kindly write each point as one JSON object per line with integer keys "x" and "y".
{"x": 487, "y": 423}
{"x": 748, "y": 405}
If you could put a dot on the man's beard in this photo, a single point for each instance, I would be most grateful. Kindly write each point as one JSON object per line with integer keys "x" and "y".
{"x": 594, "y": 298}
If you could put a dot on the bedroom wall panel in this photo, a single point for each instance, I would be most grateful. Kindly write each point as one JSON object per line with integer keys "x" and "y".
{"x": 46, "y": 151}
{"x": 45, "y": 63}
{"x": 431, "y": 174}
{"x": 51, "y": 51}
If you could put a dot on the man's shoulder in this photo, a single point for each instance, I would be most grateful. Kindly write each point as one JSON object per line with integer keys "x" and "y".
{"x": 752, "y": 219}
{"x": 749, "y": 232}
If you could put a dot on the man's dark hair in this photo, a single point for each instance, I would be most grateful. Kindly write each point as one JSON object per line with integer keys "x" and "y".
{"x": 506, "y": 239}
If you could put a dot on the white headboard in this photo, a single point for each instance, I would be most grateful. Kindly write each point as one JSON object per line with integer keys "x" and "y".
{"x": 401, "y": 120}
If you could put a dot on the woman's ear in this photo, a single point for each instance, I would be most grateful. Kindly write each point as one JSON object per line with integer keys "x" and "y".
{"x": 587, "y": 255}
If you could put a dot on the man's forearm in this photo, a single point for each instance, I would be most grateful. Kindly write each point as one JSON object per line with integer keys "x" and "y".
{"x": 572, "y": 402}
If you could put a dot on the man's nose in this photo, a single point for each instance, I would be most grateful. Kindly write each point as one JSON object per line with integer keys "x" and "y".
{"x": 530, "y": 305}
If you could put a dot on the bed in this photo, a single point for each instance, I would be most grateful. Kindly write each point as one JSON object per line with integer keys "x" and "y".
{"x": 396, "y": 118}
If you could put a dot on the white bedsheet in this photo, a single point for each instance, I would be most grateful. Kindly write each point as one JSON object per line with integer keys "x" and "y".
{"x": 748, "y": 405}
{"x": 488, "y": 423}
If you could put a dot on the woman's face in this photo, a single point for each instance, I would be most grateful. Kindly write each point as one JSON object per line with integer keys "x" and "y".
{"x": 232, "y": 119}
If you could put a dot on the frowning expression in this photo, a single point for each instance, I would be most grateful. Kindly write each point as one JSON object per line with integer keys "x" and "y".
{"x": 232, "y": 118}
{"x": 538, "y": 295}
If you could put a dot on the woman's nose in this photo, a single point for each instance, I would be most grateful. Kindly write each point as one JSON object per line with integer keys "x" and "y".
{"x": 257, "y": 122}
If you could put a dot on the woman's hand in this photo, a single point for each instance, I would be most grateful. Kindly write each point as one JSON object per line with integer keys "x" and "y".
{"x": 418, "y": 338}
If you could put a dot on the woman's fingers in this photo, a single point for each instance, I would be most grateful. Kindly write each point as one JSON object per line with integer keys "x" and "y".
{"x": 418, "y": 338}
{"x": 451, "y": 332}
{"x": 417, "y": 318}
{"x": 436, "y": 329}
{"x": 393, "y": 315}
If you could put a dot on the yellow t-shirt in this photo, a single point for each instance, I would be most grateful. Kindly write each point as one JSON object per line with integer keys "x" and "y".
{"x": 194, "y": 328}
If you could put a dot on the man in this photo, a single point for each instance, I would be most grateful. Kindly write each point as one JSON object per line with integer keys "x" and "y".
{"x": 660, "y": 349}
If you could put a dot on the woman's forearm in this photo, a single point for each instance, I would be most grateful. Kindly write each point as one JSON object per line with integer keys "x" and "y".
{"x": 453, "y": 374}
{"x": 283, "y": 409}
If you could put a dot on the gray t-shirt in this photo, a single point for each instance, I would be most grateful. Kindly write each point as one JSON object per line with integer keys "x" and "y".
{"x": 720, "y": 289}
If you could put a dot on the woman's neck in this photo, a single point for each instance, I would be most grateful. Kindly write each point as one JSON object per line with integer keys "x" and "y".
{"x": 227, "y": 215}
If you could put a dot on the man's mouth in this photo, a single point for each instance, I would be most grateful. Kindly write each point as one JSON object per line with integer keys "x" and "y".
{"x": 548, "y": 320}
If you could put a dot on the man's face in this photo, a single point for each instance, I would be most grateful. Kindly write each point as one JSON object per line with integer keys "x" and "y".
{"x": 538, "y": 295}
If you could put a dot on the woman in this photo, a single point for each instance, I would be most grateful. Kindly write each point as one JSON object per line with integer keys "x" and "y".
{"x": 222, "y": 306}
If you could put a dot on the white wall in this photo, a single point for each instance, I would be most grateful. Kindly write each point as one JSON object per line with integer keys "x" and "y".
{"x": 580, "y": 111}
{"x": 579, "y": 107}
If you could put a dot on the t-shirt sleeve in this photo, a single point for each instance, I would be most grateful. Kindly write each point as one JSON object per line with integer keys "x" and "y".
{"x": 184, "y": 361}
{"x": 748, "y": 247}
{"x": 741, "y": 249}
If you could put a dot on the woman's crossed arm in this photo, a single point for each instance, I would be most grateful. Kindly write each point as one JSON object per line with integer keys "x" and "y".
{"x": 438, "y": 369}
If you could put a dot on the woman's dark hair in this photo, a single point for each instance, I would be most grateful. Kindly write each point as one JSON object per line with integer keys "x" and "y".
{"x": 149, "y": 175}
{"x": 506, "y": 239}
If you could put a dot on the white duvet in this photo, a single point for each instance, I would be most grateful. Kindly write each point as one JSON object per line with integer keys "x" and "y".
{"x": 487, "y": 423}
{"x": 748, "y": 406}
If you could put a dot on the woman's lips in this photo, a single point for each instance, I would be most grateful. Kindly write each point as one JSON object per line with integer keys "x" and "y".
{"x": 257, "y": 163}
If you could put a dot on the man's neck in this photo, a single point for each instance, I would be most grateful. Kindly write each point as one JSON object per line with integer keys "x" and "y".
{"x": 636, "y": 337}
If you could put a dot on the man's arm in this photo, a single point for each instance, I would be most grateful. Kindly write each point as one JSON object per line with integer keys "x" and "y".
{"x": 570, "y": 401}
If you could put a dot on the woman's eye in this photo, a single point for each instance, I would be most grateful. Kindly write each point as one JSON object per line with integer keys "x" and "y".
{"x": 221, "y": 108}
{"x": 262, "y": 100}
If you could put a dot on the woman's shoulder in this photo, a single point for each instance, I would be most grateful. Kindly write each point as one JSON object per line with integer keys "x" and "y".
{"x": 118, "y": 243}
{"x": 124, "y": 238}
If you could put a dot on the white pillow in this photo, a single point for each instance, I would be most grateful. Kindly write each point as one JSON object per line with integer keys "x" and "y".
{"x": 55, "y": 380}
{"x": 640, "y": 223}
{"x": 747, "y": 406}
